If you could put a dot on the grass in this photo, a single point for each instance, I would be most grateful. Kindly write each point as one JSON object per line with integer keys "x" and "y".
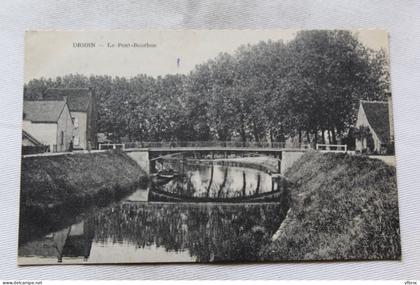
{"x": 342, "y": 207}
{"x": 54, "y": 188}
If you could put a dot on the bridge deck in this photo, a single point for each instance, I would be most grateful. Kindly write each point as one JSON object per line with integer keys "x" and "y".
{"x": 228, "y": 149}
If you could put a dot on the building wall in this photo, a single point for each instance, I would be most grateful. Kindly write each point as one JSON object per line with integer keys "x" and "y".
{"x": 391, "y": 118}
{"x": 363, "y": 121}
{"x": 376, "y": 142}
{"x": 65, "y": 125}
{"x": 86, "y": 130}
{"x": 80, "y": 126}
{"x": 91, "y": 122}
{"x": 46, "y": 133}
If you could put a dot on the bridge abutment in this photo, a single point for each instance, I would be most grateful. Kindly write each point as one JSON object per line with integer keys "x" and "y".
{"x": 141, "y": 157}
{"x": 288, "y": 158}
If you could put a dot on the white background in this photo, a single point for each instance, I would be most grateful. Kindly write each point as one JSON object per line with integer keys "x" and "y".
{"x": 400, "y": 18}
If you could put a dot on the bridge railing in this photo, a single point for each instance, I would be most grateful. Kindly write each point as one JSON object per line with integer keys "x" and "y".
{"x": 108, "y": 146}
{"x": 227, "y": 144}
{"x": 204, "y": 144}
{"x": 331, "y": 147}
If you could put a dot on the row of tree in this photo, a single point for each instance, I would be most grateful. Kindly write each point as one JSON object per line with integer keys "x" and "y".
{"x": 308, "y": 88}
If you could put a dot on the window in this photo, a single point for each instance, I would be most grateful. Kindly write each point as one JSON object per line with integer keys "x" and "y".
{"x": 62, "y": 138}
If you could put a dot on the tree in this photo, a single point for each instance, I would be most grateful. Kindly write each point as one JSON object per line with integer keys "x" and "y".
{"x": 331, "y": 72}
{"x": 262, "y": 92}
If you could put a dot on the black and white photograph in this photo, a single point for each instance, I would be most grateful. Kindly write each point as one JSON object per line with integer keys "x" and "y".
{"x": 207, "y": 146}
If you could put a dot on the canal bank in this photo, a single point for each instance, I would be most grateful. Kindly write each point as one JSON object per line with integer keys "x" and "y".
{"x": 334, "y": 206}
{"x": 342, "y": 207}
{"x": 59, "y": 186}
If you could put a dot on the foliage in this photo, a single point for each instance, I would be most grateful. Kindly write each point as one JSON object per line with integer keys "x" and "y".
{"x": 64, "y": 185}
{"x": 268, "y": 91}
{"x": 361, "y": 132}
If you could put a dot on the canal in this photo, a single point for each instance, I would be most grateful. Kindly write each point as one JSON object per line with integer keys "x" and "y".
{"x": 137, "y": 230}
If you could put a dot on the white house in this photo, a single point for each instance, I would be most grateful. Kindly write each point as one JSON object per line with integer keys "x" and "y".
{"x": 373, "y": 126}
{"x": 48, "y": 122}
{"x": 82, "y": 105}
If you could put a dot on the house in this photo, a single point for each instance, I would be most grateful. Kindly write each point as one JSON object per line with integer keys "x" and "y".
{"x": 82, "y": 106}
{"x": 47, "y": 123}
{"x": 374, "y": 132}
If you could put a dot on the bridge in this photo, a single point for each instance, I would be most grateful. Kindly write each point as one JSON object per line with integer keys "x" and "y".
{"x": 207, "y": 146}
{"x": 211, "y": 150}
{"x": 145, "y": 152}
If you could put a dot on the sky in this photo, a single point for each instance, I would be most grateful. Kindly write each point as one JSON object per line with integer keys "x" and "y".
{"x": 153, "y": 52}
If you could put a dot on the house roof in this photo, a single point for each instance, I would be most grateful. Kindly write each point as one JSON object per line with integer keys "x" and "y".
{"x": 30, "y": 138}
{"x": 44, "y": 111}
{"x": 377, "y": 114}
{"x": 77, "y": 98}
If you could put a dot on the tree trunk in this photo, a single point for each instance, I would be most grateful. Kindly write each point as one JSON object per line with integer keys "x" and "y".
{"x": 271, "y": 137}
{"x": 256, "y": 134}
{"x": 244, "y": 184}
{"x": 329, "y": 136}
{"x": 243, "y": 133}
{"x": 323, "y": 136}
{"x": 281, "y": 137}
{"x": 333, "y": 136}
{"x": 223, "y": 183}
{"x": 257, "y": 190}
{"x": 211, "y": 180}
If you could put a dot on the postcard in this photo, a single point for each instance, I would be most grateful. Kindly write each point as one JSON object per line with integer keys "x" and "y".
{"x": 209, "y": 146}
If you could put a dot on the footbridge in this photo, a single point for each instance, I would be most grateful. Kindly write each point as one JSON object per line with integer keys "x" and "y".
{"x": 208, "y": 146}
{"x": 212, "y": 150}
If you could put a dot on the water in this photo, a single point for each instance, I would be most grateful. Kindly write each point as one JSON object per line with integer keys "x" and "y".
{"x": 136, "y": 230}
{"x": 219, "y": 182}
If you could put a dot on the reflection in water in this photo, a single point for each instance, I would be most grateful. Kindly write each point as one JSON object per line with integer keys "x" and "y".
{"x": 162, "y": 232}
{"x": 72, "y": 242}
{"x": 217, "y": 181}
{"x": 135, "y": 230}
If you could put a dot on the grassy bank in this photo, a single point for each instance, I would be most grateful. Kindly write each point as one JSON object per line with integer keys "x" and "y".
{"x": 58, "y": 187}
{"x": 343, "y": 207}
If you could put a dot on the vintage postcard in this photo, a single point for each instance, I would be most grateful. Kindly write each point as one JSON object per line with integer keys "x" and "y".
{"x": 207, "y": 146}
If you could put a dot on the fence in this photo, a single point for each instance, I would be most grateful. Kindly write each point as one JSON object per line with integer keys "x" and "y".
{"x": 331, "y": 147}
{"x": 106, "y": 146}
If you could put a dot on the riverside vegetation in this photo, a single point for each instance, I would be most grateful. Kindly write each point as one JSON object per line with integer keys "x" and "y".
{"x": 342, "y": 207}
{"x": 56, "y": 187}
